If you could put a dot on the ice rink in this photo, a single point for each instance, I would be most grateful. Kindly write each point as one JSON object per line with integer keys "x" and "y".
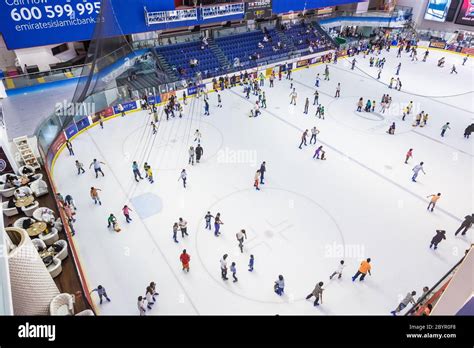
{"x": 309, "y": 214}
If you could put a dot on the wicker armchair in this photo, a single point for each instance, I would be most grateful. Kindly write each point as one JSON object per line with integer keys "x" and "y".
{"x": 62, "y": 304}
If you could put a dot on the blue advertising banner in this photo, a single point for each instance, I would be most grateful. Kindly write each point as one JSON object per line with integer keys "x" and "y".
{"x": 126, "y": 107}
{"x": 192, "y": 90}
{"x": 71, "y": 131}
{"x": 154, "y": 99}
{"x": 81, "y": 124}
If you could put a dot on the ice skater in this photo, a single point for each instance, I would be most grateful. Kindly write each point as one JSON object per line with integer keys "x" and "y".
{"x": 416, "y": 170}
{"x": 175, "y": 232}
{"x": 150, "y": 299}
{"x": 111, "y": 221}
{"x": 408, "y": 155}
{"x": 136, "y": 171}
{"x": 391, "y": 129}
{"x": 306, "y": 106}
{"x": 399, "y": 66}
{"x": 219, "y": 100}
{"x": 149, "y": 174}
{"x": 465, "y": 225}
{"x": 80, "y": 167}
{"x": 197, "y": 136}
{"x": 141, "y": 306}
{"x": 233, "y": 269}
{"x": 445, "y": 128}
{"x": 440, "y": 235}
{"x": 425, "y": 56}
{"x": 360, "y": 104}
{"x": 256, "y": 180}
{"x": 126, "y": 212}
{"x": 241, "y": 235}
{"x": 279, "y": 286}
{"x": 185, "y": 258}
{"x": 303, "y": 138}
{"x": 199, "y": 152}
{"x": 95, "y": 195}
{"x": 69, "y": 147}
{"x": 469, "y": 129}
{"x": 191, "y": 156}
{"x": 316, "y": 84}
{"x": 217, "y": 224}
{"x": 453, "y": 69}
{"x": 364, "y": 268}
{"x": 317, "y": 293}
{"x": 263, "y": 169}
{"x": 353, "y": 63}
{"x": 293, "y": 96}
{"x": 208, "y": 218}
{"x": 102, "y": 293}
{"x": 183, "y": 176}
{"x": 314, "y": 132}
{"x": 224, "y": 267}
{"x": 251, "y": 263}
{"x": 97, "y": 168}
{"x": 316, "y": 98}
{"x": 434, "y": 199}
{"x": 206, "y": 107}
{"x": 338, "y": 271}
{"x": 409, "y": 298}
{"x": 326, "y": 73}
{"x": 338, "y": 91}
{"x": 183, "y": 226}
{"x": 153, "y": 127}
{"x": 465, "y": 60}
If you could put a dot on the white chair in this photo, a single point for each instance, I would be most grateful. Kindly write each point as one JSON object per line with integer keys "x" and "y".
{"x": 86, "y": 312}
{"x": 19, "y": 222}
{"x": 36, "y": 177}
{"x": 29, "y": 210}
{"x": 25, "y": 190}
{"x": 7, "y": 192}
{"x": 55, "y": 267}
{"x": 58, "y": 224}
{"x": 38, "y": 213}
{"x": 20, "y": 170}
{"x": 63, "y": 253}
{"x": 39, "y": 244}
{"x": 49, "y": 238}
{"x": 9, "y": 211}
{"x": 62, "y": 304}
{"x": 39, "y": 188}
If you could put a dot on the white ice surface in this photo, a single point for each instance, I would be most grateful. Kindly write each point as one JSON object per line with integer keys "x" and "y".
{"x": 362, "y": 197}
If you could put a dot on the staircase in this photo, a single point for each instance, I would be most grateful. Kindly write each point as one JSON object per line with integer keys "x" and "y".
{"x": 284, "y": 39}
{"x": 325, "y": 34}
{"x": 163, "y": 64}
{"x": 221, "y": 58}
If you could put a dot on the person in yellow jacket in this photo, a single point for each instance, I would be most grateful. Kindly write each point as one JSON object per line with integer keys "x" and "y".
{"x": 433, "y": 200}
{"x": 364, "y": 268}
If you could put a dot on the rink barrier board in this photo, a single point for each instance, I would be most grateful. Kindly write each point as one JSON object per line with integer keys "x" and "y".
{"x": 73, "y": 245}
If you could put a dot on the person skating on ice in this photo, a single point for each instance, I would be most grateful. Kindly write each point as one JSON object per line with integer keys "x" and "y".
{"x": 149, "y": 297}
{"x": 219, "y": 100}
{"x": 206, "y": 107}
{"x": 153, "y": 127}
{"x": 469, "y": 129}
{"x": 424, "y": 121}
{"x": 97, "y": 167}
{"x": 136, "y": 171}
{"x": 373, "y": 106}
{"x": 416, "y": 170}
{"x": 353, "y": 63}
{"x": 338, "y": 91}
{"x": 319, "y": 152}
{"x": 149, "y": 174}
{"x": 263, "y": 169}
{"x": 379, "y": 74}
{"x": 434, "y": 199}
{"x": 257, "y": 180}
{"x": 453, "y": 69}
{"x": 326, "y": 73}
{"x": 314, "y": 133}
{"x": 126, "y": 212}
{"x": 241, "y": 235}
{"x": 360, "y": 104}
{"x": 251, "y": 263}
{"x": 279, "y": 286}
{"x": 102, "y": 293}
{"x": 303, "y": 138}
{"x": 80, "y": 167}
{"x": 233, "y": 270}
{"x": 408, "y": 155}
{"x": 199, "y": 152}
{"x": 224, "y": 267}
{"x": 440, "y": 235}
{"x": 183, "y": 226}
{"x": 338, "y": 271}
{"x": 391, "y": 129}
{"x": 316, "y": 98}
{"x": 175, "y": 232}
{"x": 208, "y": 218}
{"x": 426, "y": 55}
{"x": 197, "y": 136}
{"x": 111, "y": 221}
{"x": 141, "y": 306}
{"x": 191, "y": 156}
{"x": 217, "y": 224}
{"x": 183, "y": 176}
{"x": 185, "y": 258}
{"x": 364, "y": 268}
{"x": 293, "y": 96}
{"x": 318, "y": 79}
{"x": 465, "y": 225}
{"x": 445, "y": 128}
{"x": 392, "y": 80}
{"x": 69, "y": 147}
{"x": 317, "y": 293}
{"x": 409, "y": 298}
{"x": 306, "y": 106}
{"x": 95, "y": 195}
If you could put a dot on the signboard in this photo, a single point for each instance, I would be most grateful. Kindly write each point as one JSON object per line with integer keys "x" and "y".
{"x": 126, "y": 107}
{"x": 437, "y": 10}
{"x": 5, "y": 166}
{"x": 466, "y": 13}
{"x": 55, "y": 146}
{"x": 71, "y": 131}
{"x": 256, "y": 9}
{"x": 301, "y": 63}
{"x": 166, "y": 96}
{"x": 83, "y": 123}
{"x": 438, "y": 44}
{"x": 154, "y": 99}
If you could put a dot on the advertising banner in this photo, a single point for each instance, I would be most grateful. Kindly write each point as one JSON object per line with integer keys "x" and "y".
{"x": 192, "y": 90}
{"x": 83, "y": 123}
{"x": 71, "y": 131}
{"x": 55, "y": 146}
{"x": 438, "y": 44}
{"x": 301, "y": 63}
{"x": 255, "y": 9}
{"x": 5, "y": 166}
{"x": 466, "y": 13}
{"x": 126, "y": 107}
{"x": 437, "y": 10}
{"x": 166, "y": 96}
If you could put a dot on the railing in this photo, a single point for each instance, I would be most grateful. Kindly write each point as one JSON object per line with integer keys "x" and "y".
{"x": 158, "y": 17}
{"x": 223, "y": 10}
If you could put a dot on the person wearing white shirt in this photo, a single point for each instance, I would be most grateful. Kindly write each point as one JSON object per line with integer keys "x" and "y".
{"x": 141, "y": 305}
{"x": 338, "y": 271}
{"x": 224, "y": 267}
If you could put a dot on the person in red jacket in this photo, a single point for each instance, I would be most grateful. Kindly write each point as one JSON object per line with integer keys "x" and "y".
{"x": 409, "y": 155}
{"x": 185, "y": 258}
